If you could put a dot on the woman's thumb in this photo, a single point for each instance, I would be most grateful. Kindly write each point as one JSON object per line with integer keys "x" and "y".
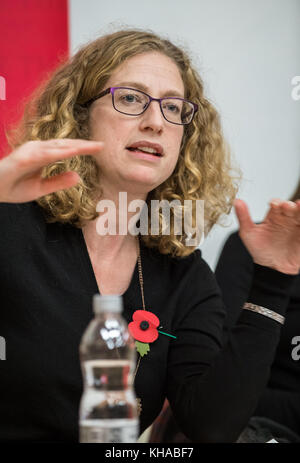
{"x": 243, "y": 216}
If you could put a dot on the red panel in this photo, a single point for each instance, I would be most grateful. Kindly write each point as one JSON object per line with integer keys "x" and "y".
{"x": 33, "y": 40}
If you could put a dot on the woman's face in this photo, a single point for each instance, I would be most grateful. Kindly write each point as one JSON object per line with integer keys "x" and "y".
{"x": 130, "y": 170}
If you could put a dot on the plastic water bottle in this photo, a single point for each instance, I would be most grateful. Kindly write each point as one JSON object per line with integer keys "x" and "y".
{"x": 108, "y": 408}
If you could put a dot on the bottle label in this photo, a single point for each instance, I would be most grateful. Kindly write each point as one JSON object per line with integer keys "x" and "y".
{"x": 98, "y": 373}
{"x": 109, "y": 431}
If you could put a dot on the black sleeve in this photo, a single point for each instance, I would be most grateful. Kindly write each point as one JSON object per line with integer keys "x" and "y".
{"x": 234, "y": 273}
{"x": 212, "y": 388}
{"x": 281, "y": 406}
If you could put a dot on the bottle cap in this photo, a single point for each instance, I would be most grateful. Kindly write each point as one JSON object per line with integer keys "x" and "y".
{"x": 107, "y": 303}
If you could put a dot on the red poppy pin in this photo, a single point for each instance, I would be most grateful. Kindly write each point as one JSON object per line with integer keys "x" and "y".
{"x": 144, "y": 330}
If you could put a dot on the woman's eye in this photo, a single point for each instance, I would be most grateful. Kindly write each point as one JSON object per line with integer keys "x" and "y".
{"x": 130, "y": 98}
{"x": 173, "y": 108}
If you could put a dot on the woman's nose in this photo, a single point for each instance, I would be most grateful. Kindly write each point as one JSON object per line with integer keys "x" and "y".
{"x": 152, "y": 118}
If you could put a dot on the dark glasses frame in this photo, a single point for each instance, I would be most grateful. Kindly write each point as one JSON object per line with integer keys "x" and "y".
{"x": 111, "y": 90}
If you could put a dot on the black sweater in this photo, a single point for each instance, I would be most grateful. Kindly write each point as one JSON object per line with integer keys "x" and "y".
{"x": 46, "y": 288}
{"x": 280, "y": 401}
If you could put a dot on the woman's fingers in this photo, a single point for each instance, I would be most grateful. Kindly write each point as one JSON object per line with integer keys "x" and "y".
{"x": 244, "y": 218}
{"x": 288, "y": 208}
{"x": 21, "y": 172}
{"x": 274, "y": 214}
{"x": 59, "y": 182}
{"x": 275, "y": 242}
{"x": 72, "y": 143}
{"x": 275, "y": 204}
{"x": 280, "y": 211}
{"x": 39, "y": 154}
{"x": 35, "y": 186}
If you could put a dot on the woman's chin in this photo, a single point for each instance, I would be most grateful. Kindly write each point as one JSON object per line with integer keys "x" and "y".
{"x": 148, "y": 179}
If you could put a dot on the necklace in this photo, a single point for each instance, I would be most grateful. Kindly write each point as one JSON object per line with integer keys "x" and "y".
{"x": 139, "y": 260}
{"x": 153, "y": 320}
{"x": 141, "y": 281}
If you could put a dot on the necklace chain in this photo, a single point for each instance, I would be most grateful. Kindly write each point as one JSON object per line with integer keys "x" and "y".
{"x": 141, "y": 274}
{"x": 141, "y": 280}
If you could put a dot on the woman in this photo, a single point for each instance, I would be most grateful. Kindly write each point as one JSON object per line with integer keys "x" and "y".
{"x": 80, "y": 145}
{"x": 280, "y": 400}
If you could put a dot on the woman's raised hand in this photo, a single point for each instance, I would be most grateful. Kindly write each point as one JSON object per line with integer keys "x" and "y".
{"x": 275, "y": 242}
{"x": 20, "y": 172}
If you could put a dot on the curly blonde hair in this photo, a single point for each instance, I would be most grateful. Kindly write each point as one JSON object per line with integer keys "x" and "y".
{"x": 203, "y": 170}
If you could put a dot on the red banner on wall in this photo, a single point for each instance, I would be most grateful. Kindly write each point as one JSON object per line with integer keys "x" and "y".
{"x": 33, "y": 40}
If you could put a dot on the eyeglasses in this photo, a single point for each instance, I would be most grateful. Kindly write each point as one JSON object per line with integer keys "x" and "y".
{"x": 134, "y": 102}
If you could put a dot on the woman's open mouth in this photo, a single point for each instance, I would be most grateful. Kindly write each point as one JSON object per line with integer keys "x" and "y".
{"x": 146, "y": 150}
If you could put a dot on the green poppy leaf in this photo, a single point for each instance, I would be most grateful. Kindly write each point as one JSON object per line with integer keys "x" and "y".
{"x": 142, "y": 348}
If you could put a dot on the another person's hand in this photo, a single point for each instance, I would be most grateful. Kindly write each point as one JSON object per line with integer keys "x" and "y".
{"x": 275, "y": 242}
{"x": 20, "y": 172}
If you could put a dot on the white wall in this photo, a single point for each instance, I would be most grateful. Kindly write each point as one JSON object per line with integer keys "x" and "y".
{"x": 247, "y": 52}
